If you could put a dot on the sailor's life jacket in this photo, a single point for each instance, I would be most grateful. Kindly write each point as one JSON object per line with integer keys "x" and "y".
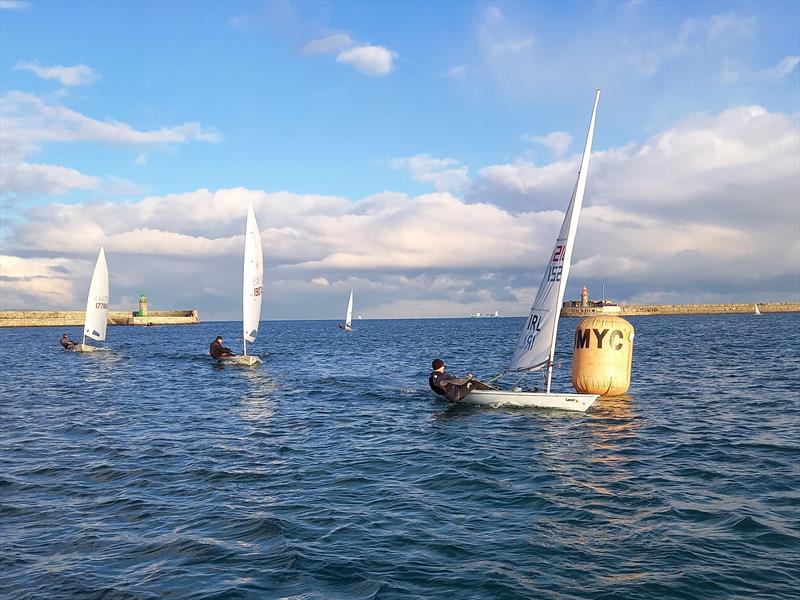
{"x": 435, "y": 387}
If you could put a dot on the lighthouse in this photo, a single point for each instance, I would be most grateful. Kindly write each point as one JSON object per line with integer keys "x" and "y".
{"x": 142, "y": 306}
{"x": 584, "y": 297}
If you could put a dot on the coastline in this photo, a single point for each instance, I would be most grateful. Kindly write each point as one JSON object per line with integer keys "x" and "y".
{"x": 622, "y": 310}
{"x": 56, "y": 318}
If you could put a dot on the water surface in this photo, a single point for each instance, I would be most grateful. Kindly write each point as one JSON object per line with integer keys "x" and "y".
{"x": 331, "y": 471}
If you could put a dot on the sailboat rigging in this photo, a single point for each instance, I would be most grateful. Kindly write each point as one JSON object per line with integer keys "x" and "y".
{"x": 252, "y": 290}
{"x": 348, "y": 320}
{"x": 535, "y": 347}
{"x": 96, "y": 318}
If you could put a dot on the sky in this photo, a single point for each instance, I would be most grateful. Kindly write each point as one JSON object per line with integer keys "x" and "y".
{"x": 422, "y": 154}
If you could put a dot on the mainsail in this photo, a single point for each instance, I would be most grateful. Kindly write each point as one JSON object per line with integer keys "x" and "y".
{"x": 96, "y": 319}
{"x": 536, "y": 344}
{"x": 253, "y": 279}
{"x": 348, "y": 321}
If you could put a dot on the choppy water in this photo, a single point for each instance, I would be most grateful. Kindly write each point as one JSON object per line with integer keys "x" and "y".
{"x": 332, "y": 472}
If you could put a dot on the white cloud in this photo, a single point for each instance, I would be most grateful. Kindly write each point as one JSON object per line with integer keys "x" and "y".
{"x": 441, "y": 172}
{"x": 783, "y": 69}
{"x": 648, "y": 62}
{"x": 39, "y": 283}
{"x": 725, "y": 26}
{"x": 454, "y": 72}
{"x": 558, "y": 141}
{"x": 332, "y": 43}
{"x": 14, "y": 5}
{"x": 692, "y": 208}
{"x": 70, "y": 76}
{"x": 370, "y": 60}
{"x": 733, "y": 72}
{"x": 25, "y": 180}
{"x": 141, "y": 159}
{"x": 504, "y": 39}
{"x": 701, "y": 209}
{"x": 30, "y": 122}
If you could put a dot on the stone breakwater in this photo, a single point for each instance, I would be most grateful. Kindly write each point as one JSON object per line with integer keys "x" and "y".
{"x": 56, "y": 318}
{"x": 679, "y": 309}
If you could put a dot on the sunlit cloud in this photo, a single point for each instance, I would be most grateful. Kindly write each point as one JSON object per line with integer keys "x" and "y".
{"x": 688, "y": 212}
{"x": 370, "y": 59}
{"x": 69, "y": 76}
{"x": 558, "y": 141}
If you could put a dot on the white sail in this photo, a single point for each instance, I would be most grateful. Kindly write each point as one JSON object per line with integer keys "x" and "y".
{"x": 536, "y": 344}
{"x": 253, "y": 279}
{"x": 348, "y": 320}
{"x": 757, "y": 312}
{"x": 96, "y": 320}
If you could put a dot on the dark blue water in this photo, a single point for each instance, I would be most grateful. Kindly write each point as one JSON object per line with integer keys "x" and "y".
{"x": 332, "y": 472}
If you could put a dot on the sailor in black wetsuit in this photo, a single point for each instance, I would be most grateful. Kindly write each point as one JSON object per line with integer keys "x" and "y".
{"x": 217, "y": 350}
{"x": 67, "y": 343}
{"x": 448, "y": 385}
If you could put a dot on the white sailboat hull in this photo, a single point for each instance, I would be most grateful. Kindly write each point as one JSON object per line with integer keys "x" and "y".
{"x": 497, "y": 398}
{"x": 244, "y": 361}
{"x": 84, "y": 348}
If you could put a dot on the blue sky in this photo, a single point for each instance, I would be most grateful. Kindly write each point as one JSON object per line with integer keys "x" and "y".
{"x": 481, "y": 103}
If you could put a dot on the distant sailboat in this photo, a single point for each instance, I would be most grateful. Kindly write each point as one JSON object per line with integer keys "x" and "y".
{"x": 348, "y": 320}
{"x": 252, "y": 289}
{"x": 757, "y": 312}
{"x": 96, "y": 318}
{"x": 536, "y": 346}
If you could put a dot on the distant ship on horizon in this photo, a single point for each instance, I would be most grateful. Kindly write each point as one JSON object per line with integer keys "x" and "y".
{"x": 479, "y": 315}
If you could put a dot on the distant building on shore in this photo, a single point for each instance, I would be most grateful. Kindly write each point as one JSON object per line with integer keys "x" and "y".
{"x": 585, "y": 307}
{"x": 479, "y": 315}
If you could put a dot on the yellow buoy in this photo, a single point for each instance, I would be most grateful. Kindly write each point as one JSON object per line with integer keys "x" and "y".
{"x": 602, "y": 356}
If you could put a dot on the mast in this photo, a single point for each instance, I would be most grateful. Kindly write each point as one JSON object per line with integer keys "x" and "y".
{"x": 580, "y": 188}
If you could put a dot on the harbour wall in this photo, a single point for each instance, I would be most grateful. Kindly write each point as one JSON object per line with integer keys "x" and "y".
{"x": 56, "y": 318}
{"x": 679, "y": 309}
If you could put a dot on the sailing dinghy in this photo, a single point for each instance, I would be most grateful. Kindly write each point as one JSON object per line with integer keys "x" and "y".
{"x": 252, "y": 288}
{"x": 757, "y": 312}
{"x": 96, "y": 319}
{"x": 348, "y": 320}
{"x": 537, "y": 342}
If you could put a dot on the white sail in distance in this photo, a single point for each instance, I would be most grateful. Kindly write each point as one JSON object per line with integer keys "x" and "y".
{"x": 536, "y": 344}
{"x": 348, "y": 320}
{"x": 253, "y": 278}
{"x": 96, "y": 319}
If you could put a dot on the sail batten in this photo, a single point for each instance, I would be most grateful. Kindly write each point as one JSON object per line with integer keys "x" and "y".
{"x": 96, "y": 318}
{"x": 536, "y": 344}
{"x": 252, "y": 278}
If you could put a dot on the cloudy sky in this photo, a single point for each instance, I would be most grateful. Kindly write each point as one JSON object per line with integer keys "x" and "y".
{"x": 420, "y": 153}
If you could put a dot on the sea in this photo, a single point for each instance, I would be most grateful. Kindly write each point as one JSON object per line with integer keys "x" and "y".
{"x": 149, "y": 471}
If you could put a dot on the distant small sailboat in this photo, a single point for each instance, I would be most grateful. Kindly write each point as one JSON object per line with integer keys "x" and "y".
{"x": 537, "y": 342}
{"x": 96, "y": 318}
{"x": 348, "y": 320}
{"x": 252, "y": 290}
{"x": 757, "y": 312}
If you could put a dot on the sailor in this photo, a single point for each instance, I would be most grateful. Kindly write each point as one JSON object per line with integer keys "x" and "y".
{"x": 448, "y": 385}
{"x": 217, "y": 350}
{"x": 67, "y": 343}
